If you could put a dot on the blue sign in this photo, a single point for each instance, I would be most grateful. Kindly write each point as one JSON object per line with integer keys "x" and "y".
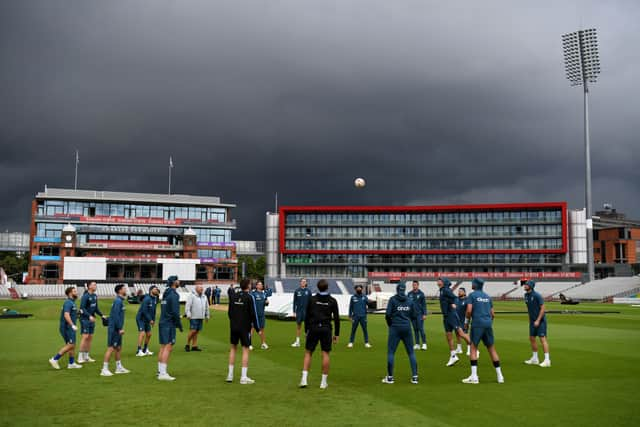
{"x": 46, "y": 239}
{"x": 45, "y": 258}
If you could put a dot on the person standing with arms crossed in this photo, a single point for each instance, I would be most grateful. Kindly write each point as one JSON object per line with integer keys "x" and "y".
{"x": 537, "y": 324}
{"x": 242, "y": 315}
{"x": 300, "y": 300}
{"x": 169, "y": 321}
{"x": 320, "y": 311}
{"x": 88, "y": 310}
{"x": 358, "y": 305}
{"x": 68, "y": 328}
{"x": 197, "y": 311}
{"x": 418, "y": 298}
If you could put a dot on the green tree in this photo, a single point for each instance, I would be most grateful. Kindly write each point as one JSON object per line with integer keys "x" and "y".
{"x": 254, "y": 268}
{"x": 13, "y": 265}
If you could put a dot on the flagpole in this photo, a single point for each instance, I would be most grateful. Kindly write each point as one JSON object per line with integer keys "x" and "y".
{"x": 75, "y": 185}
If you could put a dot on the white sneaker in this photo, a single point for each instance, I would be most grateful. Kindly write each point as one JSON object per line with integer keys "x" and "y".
{"x": 471, "y": 380}
{"x": 424, "y": 346}
{"x": 79, "y": 360}
{"x": 148, "y": 353}
{"x": 459, "y": 351}
{"x": 323, "y": 386}
{"x": 367, "y": 345}
{"x": 532, "y": 361}
{"x": 76, "y": 366}
{"x": 303, "y": 384}
{"x": 246, "y": 380}
{"x": 229, "y": 378}
{"x": 296, "y": 344}
{"x": 140, "y": 354}
{"x": 264, "y": 346}
{"x": 106, "y": 373}
{"x": 88, "y": 359}
{"x": 122, "y": 370}
{"x": 545, "y": 364}
{"x": 414, "y": 379}
{"x": 388, "y": 380}
{"x": 54, "y": 364}
{"x": 251, "y": 347}
{"x": 416, "y": 347}
{"x": 452, "y": 360}
{"x": 350, "y": 345}
{"x": 500, "y": 379}
{"x": 165, "y": 377}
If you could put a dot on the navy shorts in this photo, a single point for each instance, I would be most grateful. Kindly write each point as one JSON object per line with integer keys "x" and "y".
{"x": 540, "y": 331}
{"x": 87, "y": 326}
{"x": 451, "y": 322}
{"x": 195, "y": 324}
{"x": 114, "y": 339}
{"x": 300, "y": 315}
{"x": 238, "y": 336}
{"x": 323, "y": 336}
{"x": 68, "y": 334}
{"x": 167, "y": 335}
{"x": 482, "y": 334}
{"x": 143, "y": 325}
{"x": 261, "y": 322}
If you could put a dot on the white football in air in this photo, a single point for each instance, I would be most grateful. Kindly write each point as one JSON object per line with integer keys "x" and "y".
{"x": 359, "y": 182}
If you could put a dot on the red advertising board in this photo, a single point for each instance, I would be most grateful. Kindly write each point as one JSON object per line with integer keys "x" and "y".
{"x": 494, "y": 275}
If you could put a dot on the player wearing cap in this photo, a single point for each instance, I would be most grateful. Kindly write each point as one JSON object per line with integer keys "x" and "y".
{"x": 300, "y": 299}
{"x": 358, "y": 305}
{"x": 450, "y": 318}
{"x": 145, "y": 319}
{"x": 420, "y": 302}
{"x": 321, "y": 309}
{"x": 537, "y": 323}
{"x": 480, "y": 313}
{"x": 400, "y": 312}
{"x": 242, "y": 316}
{"x": 68, "y": 328}
{"x": 88, "y": 310}
{"x": 260, "y": 296}
{"x": 169, "y": 321}
{"x": 115, "y": 332}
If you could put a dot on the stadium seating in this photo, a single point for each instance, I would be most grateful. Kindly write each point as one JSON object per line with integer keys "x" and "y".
{"x": 600, "y": 290}
{"x": 4, "y": 292}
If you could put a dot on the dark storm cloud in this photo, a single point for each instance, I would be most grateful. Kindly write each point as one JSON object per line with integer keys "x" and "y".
{"x": 431, "y": 102}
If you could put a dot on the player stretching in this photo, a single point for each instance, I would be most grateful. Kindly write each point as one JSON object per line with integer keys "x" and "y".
{"x": 358, "y": 305}
{"x": 145, "y": 319}
{"x": 88, "y": 310}
{"x": 400, "y": 313}
{"x": 480, "y": 313}
{"x": 321, "y": 309}
{"x": 260, "y": 298}
{"x": 450, "y": 318}
{"x": 537, "y": 324}
{"x": 68, "y": 328}
{"x": 300, "y": 299}
{"x": 115, "y": 333}
{"x": 420, "y": 302}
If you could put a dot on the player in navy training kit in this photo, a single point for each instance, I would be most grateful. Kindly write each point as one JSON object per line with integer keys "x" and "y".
{"x": 537, "y": 324}
{"x": 88, "y": 310}
{"x": 461, "y": 310}
{"x": 115, "y": 332}
{"x": 358, "y": 305}
{"x": 400, "y": 311}
{"x": 420, "y": 302}
{"x": 242, "y": 316}
{"x": 300, "y": 299}
{"x": 145, "y": 319}
{"x": 321, "y": 309}
{"x": 480, "y": 313}
{"x": 260, "y": 296}
{"x": 68, "y": 328}
{"x": 450, "y": 319}
{"x": 169, "y": 321}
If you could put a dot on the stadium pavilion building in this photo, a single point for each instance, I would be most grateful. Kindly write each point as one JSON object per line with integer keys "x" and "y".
{"x": 377, "y": 242}
{"x": 82, "y": 235}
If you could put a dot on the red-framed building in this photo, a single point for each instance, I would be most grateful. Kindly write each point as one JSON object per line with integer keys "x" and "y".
{"x": 365, "y": 241}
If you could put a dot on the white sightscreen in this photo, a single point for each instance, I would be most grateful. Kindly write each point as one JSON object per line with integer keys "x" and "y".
{"x": 84, "y": 268}
{"x": 185, "y": 269}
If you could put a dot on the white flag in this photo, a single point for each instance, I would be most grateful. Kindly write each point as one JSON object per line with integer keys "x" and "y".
{"x": 170, "y": 162}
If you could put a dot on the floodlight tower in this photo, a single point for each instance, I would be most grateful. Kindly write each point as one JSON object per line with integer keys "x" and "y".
{"x": 582, "y": 65}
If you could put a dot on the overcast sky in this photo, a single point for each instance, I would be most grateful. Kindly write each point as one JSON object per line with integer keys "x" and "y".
{"x": 432, "y": 102}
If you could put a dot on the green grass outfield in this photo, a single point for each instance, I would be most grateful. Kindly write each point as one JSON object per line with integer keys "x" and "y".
{"x": 594, "y": 379}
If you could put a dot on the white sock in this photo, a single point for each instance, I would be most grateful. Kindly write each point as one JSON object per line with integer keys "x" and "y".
{"x": 118, "y": 364}
{"x": 535, "y": 355}
{"x": 474, "y": 371}
{"x": 324, "y": 378}
{"x": 162, "y": 368}
{"x": 304, "y": 376}
{"x": 459, "y": 347}
{"x": 498, "y": 371}
{"x": 297, "y": 340}
{"x": 230, "y": 371}
{"x": 105, "y": 366}
{"x": 453, "y": 353}
{"x": 244, "y": 372}
{"x": 546, "y": 357}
